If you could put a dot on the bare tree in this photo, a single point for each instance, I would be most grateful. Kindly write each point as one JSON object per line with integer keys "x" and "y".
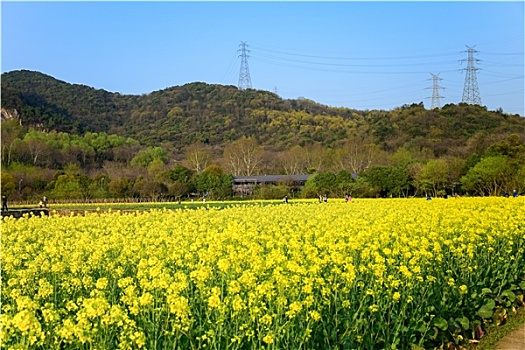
{"x": 243, "y": 156}
{"x": 317, "y": 158}
{"x": 198, "y": 156}
{"x": 36, "y": 145}
{"x": 292, "y": 161}
{"x": 358, "y": 153}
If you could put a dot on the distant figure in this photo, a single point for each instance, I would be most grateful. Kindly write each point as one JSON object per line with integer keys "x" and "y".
{"x": 4, "y": 203}
{"x": 515, "y": 194}
{"x": 325, "y": 198}
{"x": 320, "y": 199}
{"x": 429, "y": 198}
{"x": 44, "y": 202}
{"x": 456, "y": 195}
{"x": 203, "y": 200}
{"x": 506, "y": 194}
{"x": 285, "y": 199}
{"x": 348, "y": 198}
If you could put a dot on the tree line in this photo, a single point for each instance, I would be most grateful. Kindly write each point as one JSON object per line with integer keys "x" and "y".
{"x": 95, "y": 166}
{"x": 73, "y": 141}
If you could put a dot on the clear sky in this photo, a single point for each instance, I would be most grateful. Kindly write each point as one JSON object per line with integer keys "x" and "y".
{"x": 362, "y": 55}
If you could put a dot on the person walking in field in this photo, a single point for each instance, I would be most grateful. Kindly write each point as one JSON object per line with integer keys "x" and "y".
{"x": 44, "y": 202}
{"x": 4, "y": 203}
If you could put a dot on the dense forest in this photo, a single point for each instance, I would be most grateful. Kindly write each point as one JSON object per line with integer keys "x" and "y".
{"x": 73, "y": 141}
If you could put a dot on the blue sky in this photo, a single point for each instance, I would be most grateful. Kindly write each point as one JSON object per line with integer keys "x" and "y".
{"x": 362, "y": 55}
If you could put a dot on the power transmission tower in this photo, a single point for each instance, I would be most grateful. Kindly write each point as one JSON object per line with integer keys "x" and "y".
{"x": 435, "y": 91}
{"x": 471, "y": 90}
{"x": 245, "y": 82}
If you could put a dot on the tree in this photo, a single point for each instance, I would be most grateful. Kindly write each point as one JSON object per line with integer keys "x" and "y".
{"x": 198, "y": 156}
{"x": 81, "y": 151}
{"x": 488, "y": 177}
{"x": 319, "y": 184}
{"x": 148, "y": 188}
{"x": 66, "y": 187}
{"x": 292, "y": 161}
{"x": 178, "y": 181}
{"x": 35, "y": 143}
{"x": 243, "y": 156}
{"x": 150, "y": 154}
{"x": 345, "y": 182}
{"x": 518, "y": 182}
{"x": 388, "y": 181}
{"x": 357, "y": 154}
{"x": 456, "y": 169}
{"x": 121, "y": 188}
{"x": 317, "y": 158}
{"x": 12, "y": 132}
{"x": 124, "y": 153}
{"x": 8, "y": 183}
{"x": 433, "y": 177}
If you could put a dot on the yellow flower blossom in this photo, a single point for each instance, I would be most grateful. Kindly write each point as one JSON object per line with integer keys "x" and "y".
{"x": 249, "y": 274}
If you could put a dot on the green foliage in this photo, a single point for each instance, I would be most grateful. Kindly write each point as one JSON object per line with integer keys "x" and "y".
{"x": 323, "y": 183}
{"x": 179, "y": 173}
{"x": 271, "y": 192}
{"x": 96, "y": 129}
{"x": 213, "y": 185}
{"x": 67, "y": 187}
{"x": 488, "y": 177}
{"x": 121, "y": 188}
{"x": 8, "y": 183}
{"x": 344, "y": 182}
{"x": 433, "y": 178}
{"x": 388, "y": 181}
{"x": 145, "y": 157}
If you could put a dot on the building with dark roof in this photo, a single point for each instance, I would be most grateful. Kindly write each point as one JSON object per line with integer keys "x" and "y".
{"x": 245, "y": 185}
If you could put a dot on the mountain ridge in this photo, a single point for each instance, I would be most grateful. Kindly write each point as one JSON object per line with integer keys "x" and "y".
{"x": 217, "y": 114}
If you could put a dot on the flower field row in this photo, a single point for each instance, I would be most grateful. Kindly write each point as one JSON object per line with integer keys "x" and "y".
{"x": 370, "y": 274}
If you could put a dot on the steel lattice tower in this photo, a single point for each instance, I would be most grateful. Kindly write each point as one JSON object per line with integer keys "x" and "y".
{"x": 435, "y": 91}
{"x": 471, "y": 90}
{"x": 245, "y": 82}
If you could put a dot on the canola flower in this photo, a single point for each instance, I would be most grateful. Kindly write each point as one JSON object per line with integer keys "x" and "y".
{"x": 371, "y": 274}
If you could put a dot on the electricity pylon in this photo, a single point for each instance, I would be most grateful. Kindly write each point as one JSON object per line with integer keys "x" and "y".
{"x": 471, "y": 90}
{"x": 435, "y": 91}
{"x": 245, "y": 82}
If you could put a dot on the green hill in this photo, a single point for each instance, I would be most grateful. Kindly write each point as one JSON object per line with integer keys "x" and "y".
{"x": 217, "y": 114}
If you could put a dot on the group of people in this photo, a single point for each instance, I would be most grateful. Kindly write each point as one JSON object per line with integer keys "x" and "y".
{"x": 514, "y": 194}
{"x": 323, "y": 198}
{"x": 42, "y": 204}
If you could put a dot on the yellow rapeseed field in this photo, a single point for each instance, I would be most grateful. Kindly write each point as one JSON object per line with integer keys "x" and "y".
{"x": 369, "y": 274}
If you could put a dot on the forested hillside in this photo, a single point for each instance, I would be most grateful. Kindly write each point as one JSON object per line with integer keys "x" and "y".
{"x": 73, "y": 140}
{"x": 178, "y": 115}
{"x": 217, "y": 114}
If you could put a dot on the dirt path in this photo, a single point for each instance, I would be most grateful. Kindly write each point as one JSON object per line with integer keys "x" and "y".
{"x": 513, "y": 341}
